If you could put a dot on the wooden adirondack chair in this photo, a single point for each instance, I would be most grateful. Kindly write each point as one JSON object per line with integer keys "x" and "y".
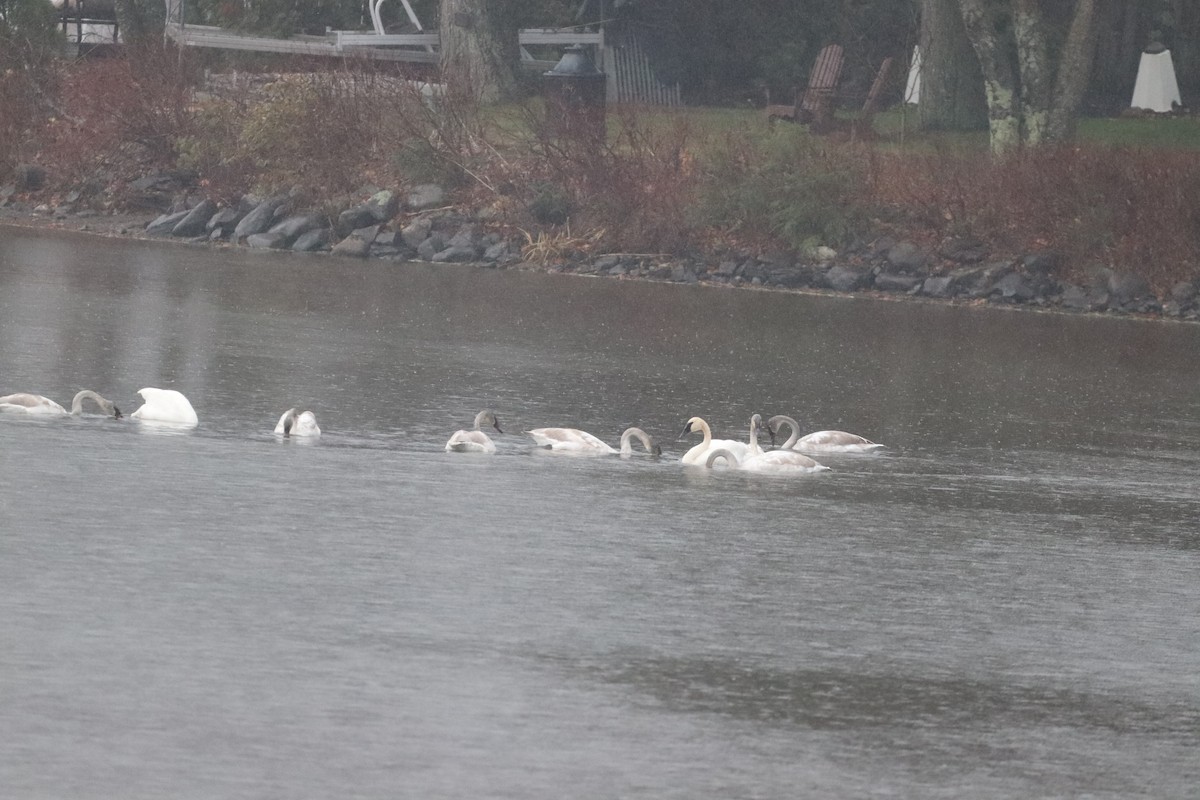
{"x": 862, "y": 125}
{"x": 816, "y": 103}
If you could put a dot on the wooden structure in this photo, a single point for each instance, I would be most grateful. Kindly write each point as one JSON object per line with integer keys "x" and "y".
{"x": 815, "y": 104}
{"x": 88, "y": 23}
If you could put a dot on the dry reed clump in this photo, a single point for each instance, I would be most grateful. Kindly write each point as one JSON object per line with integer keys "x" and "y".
{"x": 1134, "y": 210}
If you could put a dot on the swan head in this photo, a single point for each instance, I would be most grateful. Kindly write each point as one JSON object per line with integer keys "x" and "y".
{"x": 487, "y": 417}
{"x": 289, "y": 420}
{"x": 776, "y": 422}
{"x": 694, "y": 424}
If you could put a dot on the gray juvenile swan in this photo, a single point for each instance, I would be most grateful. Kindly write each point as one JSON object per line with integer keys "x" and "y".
{"x": 475, "y": 441}
{"x": 820, "y": 441}
{"x": 38, "y": 405}
{"x": 302, "y": 424}
{"x": 573, "y": 440}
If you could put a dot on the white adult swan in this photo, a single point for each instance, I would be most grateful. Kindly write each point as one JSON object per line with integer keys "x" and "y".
{"x": 302, "y": 424}
{"x": 475, "y": 441}
{"x": 165, "y": 405}
{"x": 821, "y": 441}
{"x": 44, "y": 406}
{"x": 787, "y": 461}
{"x": 573, "y": 440}
{"x": 696, "y": 454}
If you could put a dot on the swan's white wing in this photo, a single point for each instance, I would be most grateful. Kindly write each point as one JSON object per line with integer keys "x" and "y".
{"x": 700, "y": 452}
{"x": 470, "y": 442}
{"x": 306, "y": 425}
{"x": 165, "y": 405}
{"x": 31, "y": 404}
{"x": 788, "y": 461}
{"x": 835, "y": 442}
{"x": 569, "y": 440}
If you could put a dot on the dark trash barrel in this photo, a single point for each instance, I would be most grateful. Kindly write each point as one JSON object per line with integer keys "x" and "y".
{"x": 575, "y": 95}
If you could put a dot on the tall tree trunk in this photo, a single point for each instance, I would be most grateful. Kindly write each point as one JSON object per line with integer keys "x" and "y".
{"x": 952, "y": 95}
{"x": 1074, "y": 69}
{"x": 480, "y": 51}
{"x": 999, "y": 74}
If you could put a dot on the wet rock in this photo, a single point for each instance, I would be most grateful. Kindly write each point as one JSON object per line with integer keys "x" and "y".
{"x": 293, "y": 227}
{"x": 986, "y": 277}
{"x": 1043, "y": 262}
{"x": 1128, "y": 289}
{"x": 353, "y": 219}
{"x": 907, "y": 257}
{"x": 260, "y": 219}
{"x": 607, "y": 262}
{"x": 425, "y": 196}
{"x": 1013, "y": 288}
{"x": 430, "y": 247}
{"x": 846, "y": 279}
{"x": 164, "y": 224}
{"x": 271, "y": 240}
{"x": 416, "y": 231}
{"x": 467, "y": 237}
{"x": 790, "y": 277}
{"x": 1084, "y": 298}
{"x": 194, "y": 223}
{"x": 727, "y": 268}
{"x": 29, "y": 177}
{"x": 938, "y": 286}
{"x": 499, "y": 251}
{"x": 312, "y": 241}
{"x": 455, "y": 254}
{"x": 893, "y": 282}
{"x": 1184, "y": 293}
{"x": 223, "y": 223}
{"x": 963, "y": 249}
{"x": 752, "y": 269}
{"x": 358, "y": 243}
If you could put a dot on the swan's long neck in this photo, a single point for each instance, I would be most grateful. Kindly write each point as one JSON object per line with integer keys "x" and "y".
{"x": 480, "y": 418}
{"x": 706, "y": 431}
{"x": 88, "y": 394}
{"x": 721, "y": 452}
{"x": 640, "y": 435}
{"x": 754, "y": 448}
{"x": 793, "y": 430}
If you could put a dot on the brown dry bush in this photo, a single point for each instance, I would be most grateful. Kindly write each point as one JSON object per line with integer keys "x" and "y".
{"x": 118, "y": 115}
{"x": 1137, "y": 210}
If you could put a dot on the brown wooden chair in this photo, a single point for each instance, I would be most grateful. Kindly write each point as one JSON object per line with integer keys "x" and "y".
{"x": 816, "y": 103}
{"x": 862, "y": 125}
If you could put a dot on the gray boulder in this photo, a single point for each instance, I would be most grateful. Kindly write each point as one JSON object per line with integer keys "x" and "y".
{"x": 293, "y": 227}
{"x": 196, "y": 220}
{"x": 1014, "y": 288}
{"x": 432, "y": 245}
{"x": 963, "y": 249}
{"x": 907, "y": 257}
{"x": 416, "y": 231}
{"x": 846, "y": 279}
{"x": 223, "y": 223}
{"x": 1080, "y": 298}
{"x": 1043, "y": 262}
{"x": 312, "y": 241}
{"x": 271, "y": 240}
{"x": 164, "y": 224}
{"x": 425, "y": 196}
{"x": 358, "y": 243}
{"x": 938, "y": 286}
{"x": 1184, "y": 293}
{"x": 1128, "y": 288}
{"x": 499, "y": 251}
{"x": 260, "y": 219}
{"x": 891, "y": 282}
{"x": 455, "y": 255}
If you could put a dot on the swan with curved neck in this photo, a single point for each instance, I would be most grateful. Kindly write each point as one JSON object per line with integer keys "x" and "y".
{"x": 820, "y": 441}
{"x": 475, "y": 441}
{"x": 165, "y": 406}
{"x": 696, "y": 454}
{"x": 778, "y": 461}
{"x": 298, "y": 424}
{"x": 573, "y": 440}
{"x": 37, "y": 404}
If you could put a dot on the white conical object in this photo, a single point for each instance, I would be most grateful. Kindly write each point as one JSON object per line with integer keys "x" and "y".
{"x": 912, "y": 89}
{"x": 1156, "y": 88}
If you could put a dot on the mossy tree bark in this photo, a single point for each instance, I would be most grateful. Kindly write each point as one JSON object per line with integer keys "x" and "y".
{"x": 1033, "y": 97}
{"x": 952, "y": 95}
{"x": 479, "y": 48}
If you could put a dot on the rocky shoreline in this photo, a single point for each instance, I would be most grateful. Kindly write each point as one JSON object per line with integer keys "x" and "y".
{"x": 419, "y": 225}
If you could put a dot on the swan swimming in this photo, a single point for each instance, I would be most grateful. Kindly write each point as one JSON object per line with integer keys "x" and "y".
{"x": 756, "y": 460}
{"x": 697, "y": 453}
{"x": 44, "y": 406}
{"x": 165, "y": 405}
{"x": 475, "y": 441}
{"x": 302, "y": 424}
{"x": 820, "y": 441}
{"x": 573, "y": 440}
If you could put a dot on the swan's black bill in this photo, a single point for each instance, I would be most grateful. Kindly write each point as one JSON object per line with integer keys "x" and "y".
{"x": 686, "y": 430}
{"x": 116, "y": 413}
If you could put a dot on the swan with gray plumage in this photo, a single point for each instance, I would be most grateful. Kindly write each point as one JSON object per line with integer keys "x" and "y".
{"x": 820, "y": 441}
{"x": 475, "y": 441}
{"x": 43, "y": 406}
{"x": 573, "y": 440}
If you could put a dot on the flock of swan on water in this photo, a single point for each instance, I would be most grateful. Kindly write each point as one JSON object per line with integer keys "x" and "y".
{"x": 170, "y": 407}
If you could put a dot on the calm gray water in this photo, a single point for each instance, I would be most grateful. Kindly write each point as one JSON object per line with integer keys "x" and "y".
{"x": 1005, "y": 604}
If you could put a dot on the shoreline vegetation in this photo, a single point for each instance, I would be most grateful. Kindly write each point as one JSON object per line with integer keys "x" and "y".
{"x": 362, "y": 161}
